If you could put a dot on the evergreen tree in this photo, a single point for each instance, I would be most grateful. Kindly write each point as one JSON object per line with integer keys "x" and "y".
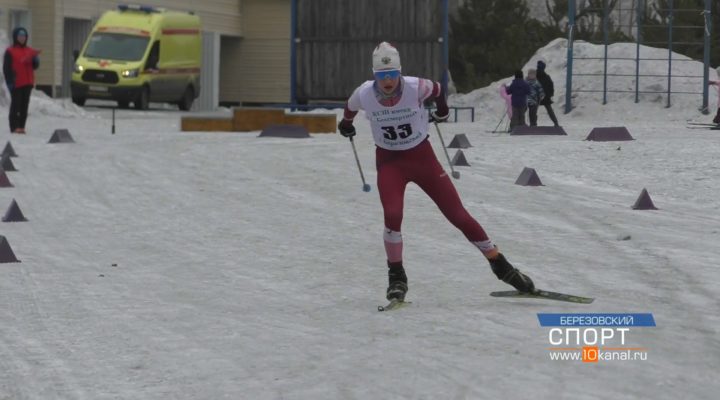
{"x": 588, "y": 19}
{"x": 492, "y": 38}
{"x": 689, "y": 27}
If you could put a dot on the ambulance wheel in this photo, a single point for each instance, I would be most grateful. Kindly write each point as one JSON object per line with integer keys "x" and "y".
{"x": 79, "y": 101}
{"x": 143, "y": 100}
{"x": 187, "y": 100}
{"x": 123, "y": 104}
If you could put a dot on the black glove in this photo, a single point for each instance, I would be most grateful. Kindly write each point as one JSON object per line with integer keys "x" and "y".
{"x": 346, "y": 128}
{"x": 435, "y": 116}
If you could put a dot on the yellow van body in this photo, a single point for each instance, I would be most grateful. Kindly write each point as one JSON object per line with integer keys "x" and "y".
{"x": 140, "y": 54}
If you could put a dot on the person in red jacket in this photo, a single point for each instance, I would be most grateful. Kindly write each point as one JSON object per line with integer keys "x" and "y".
{"x": 19, "y": 64}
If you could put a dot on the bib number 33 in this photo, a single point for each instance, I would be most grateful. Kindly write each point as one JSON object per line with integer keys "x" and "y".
{"x": 393, "y": 133}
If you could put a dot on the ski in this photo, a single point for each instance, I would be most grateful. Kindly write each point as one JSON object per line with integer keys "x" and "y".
{"x": 394, "y": 305}
{"x": 710, "y": 127}
{"x": 544, "y": 294}
{"x": 702, "y": 123}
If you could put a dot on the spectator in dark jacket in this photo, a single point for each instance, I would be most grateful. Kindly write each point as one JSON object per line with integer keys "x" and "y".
{"x": 549, "y": 89}
{"x": 19, "y": 63}
{"x": 536, "y": 96}
{"x": 519, "y": 89}
{"x": 717, "y": 86}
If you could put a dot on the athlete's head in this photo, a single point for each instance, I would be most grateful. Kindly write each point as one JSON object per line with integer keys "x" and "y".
{"x": 386, "y": 67}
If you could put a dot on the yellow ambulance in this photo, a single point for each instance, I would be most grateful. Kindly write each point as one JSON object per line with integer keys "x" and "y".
{"x": 140, "y": 54}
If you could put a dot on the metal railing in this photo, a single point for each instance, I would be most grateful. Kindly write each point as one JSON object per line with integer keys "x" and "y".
{"x": 640, "y": 24}
{"x": 315, "y": 106}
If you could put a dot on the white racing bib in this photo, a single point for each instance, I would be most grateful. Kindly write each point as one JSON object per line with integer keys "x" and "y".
{"x": 400, "y": 127}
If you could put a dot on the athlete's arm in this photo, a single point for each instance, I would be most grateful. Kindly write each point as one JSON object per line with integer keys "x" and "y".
{"x": 352, "y": 107}
{"x": 430, "y": 90}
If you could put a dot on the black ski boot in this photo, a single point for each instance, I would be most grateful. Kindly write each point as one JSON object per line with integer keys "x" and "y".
{"x": 510, "y": 275}
{"x": 397, "y": 281}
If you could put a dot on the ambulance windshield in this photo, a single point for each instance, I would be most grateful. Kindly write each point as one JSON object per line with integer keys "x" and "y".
{"x": 116, "y": 46}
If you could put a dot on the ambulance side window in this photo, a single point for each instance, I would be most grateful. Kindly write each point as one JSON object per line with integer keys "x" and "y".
{"x": 153, "y": 57}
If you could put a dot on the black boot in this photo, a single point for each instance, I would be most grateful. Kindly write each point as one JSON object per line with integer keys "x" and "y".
{"x": 510, "y": 275}
{"x": 397, "y": 281}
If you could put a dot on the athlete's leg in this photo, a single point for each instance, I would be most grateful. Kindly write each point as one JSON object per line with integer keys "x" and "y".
{"x": 391, "y": 183}
{"x": 434, "y": 181}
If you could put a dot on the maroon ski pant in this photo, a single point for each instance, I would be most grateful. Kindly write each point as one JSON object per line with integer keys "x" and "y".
{"x": 420, "y": 166}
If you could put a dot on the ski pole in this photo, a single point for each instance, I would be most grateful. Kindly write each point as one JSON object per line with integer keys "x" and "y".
{"x": 501, "y": 121}
{"x": 366, "y": 187}
{"x": 455, "y": 174}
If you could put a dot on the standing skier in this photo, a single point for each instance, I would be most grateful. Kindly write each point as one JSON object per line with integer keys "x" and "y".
{"x": 549, "y": 89}
{"x": 536, "y": 96}
{"x": 519, "y": 90}
{"x": 393, "y": 104}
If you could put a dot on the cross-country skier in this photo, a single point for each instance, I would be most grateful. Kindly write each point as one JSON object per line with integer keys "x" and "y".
{"x": 393, "y": 104}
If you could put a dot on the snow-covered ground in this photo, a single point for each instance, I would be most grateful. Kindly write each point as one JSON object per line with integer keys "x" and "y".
{"x": 160, "y": 264}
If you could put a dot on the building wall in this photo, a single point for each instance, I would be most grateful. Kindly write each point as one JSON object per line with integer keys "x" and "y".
{"x": 5, "y": 7}
{"x": 46, "y": 36}
{"x": 263, "y": 70}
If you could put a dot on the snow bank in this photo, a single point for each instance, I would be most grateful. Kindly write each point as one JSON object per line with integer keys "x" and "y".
{"x": 489, "y": 105}
{"x": 42, "y": 104}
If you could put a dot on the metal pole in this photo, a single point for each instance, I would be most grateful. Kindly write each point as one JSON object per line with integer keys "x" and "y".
{"x": 568, "y": 75}
{"x": 706, "y": 57}
{"x": 607, "y": 40}
{"x": 112, "y": 130}
{"x": 455, "y": 174}
{"x": 671, "y": 16}
{"x": 501, "y": 121}
{"x": 446, "y": 46}
{"x": 638, "y": 39}
{"x": 293, "y": 51}
{"x": 365, "y": 186}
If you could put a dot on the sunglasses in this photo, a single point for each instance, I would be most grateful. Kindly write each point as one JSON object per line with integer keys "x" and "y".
{"x": 388, "y": 74}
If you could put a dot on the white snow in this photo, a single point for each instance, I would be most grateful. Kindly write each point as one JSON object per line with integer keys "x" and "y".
{"x": 160, "y": 264}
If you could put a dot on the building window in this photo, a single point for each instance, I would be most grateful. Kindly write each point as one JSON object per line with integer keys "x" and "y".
{"x": 18, "y": 18}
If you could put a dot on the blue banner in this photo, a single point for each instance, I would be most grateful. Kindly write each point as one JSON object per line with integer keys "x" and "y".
{"x": 592, "y": 320}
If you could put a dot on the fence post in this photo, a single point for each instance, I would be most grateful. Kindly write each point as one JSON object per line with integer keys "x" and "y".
{"x": 571, "y": 43}
{"x": 706, "y": 57}
{"x": 445, "y": 45}
{"x": 638, "y": 38}
{"x": 671, "y": 16}
{"x": 293, "y": 51}
{"x": 606, "y": 40}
